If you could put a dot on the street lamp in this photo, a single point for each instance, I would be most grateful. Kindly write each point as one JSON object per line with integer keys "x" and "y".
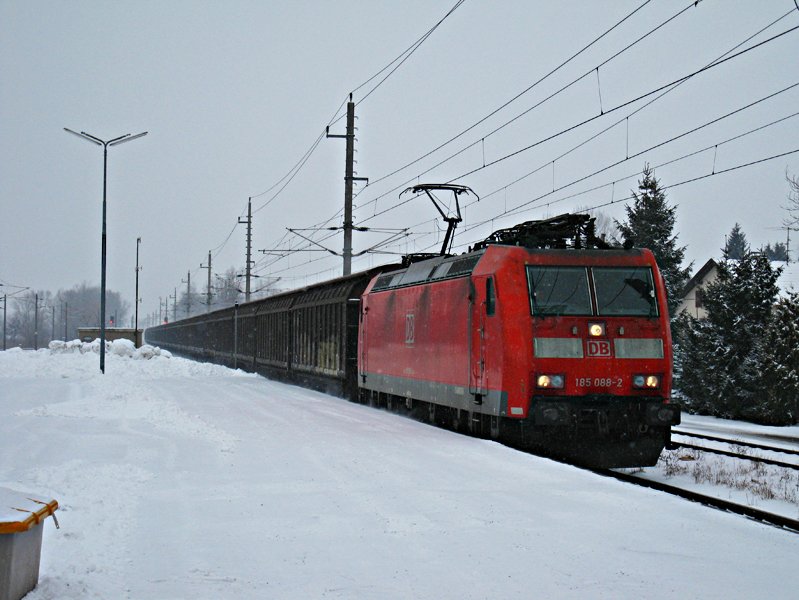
{"x": 105, "y": 144}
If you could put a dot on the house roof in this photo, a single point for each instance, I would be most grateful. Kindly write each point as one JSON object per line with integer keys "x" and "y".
{"x": 788, "y": 280}
{"x": 699, "y": 276}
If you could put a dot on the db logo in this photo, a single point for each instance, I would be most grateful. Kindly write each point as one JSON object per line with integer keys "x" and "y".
{"x": 410, "y": 329}
{"x": 600, "y": 348}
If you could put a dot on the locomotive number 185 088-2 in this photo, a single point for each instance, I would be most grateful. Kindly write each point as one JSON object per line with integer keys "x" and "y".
{"x": 602, "y": 382}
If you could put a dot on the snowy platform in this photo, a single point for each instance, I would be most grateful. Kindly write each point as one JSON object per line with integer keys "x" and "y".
{"x": 21, "y": 518}
{"x": 255, "y": 489}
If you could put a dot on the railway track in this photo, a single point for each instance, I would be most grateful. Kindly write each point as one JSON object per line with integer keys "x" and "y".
{"x": 738, "y": 443}
{"x": 753, "y": 513}
{"x": 761, "y": 516}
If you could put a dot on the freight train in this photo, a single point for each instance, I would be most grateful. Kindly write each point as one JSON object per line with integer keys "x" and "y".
{"x": 541, "y": 336}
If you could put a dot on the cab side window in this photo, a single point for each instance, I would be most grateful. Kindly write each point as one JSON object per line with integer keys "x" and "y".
{"x": 491, "y": 298}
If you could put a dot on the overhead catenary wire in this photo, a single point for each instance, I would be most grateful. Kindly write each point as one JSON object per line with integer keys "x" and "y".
{"x": 405, "y": 55}
{"x": 527, "y": 205}
{"x": 561, "y": 65}
{"x": 666, "y": 187}
{"x": 523, "y": 92}
{"x": 402, "y": 58}
{"x": 687, "y": 133}
{"x": 297, "y": 167}
{"x": 627, "y": 198}
{"x": 667, "y": 90}
{"x": 669, "y": 87}
{"x": 685, "y": 79}
{"x": 599, "y": 116}
{"x": 530, "y": 109}
{"x": 636, "y": 111}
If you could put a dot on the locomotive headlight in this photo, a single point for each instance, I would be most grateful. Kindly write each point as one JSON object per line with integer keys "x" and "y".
{"x": 550, "y": 381}
{"x": 650, "y": 382}
{"x": 596, "y": 329}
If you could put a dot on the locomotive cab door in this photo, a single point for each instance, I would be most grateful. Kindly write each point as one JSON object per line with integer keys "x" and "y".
{"x": 483, "y": 306}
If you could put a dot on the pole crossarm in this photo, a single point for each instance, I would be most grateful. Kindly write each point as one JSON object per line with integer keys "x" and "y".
{"x": 333, "y": 252}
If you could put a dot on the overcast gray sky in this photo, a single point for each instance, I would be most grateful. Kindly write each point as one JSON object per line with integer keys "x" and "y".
{"x": 233, "y": 94}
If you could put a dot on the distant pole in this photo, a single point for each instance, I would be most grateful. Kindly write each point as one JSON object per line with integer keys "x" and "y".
{"x": 66, "y": 307}
{"x": 36, "y": 321}
{"x": 175, "y": 306}
{"x": 235, "y": 334}
{"x": 105, "y": 144}
{"x": 249, "y": 249}
{"x": 5, "y": 304}
{"x": 208, "y": 289}
{"x": 136, "y": 317}
{"x": 52, "y": 326}
{"x": 188, "y": 293}
{"x": 349, "y": 177}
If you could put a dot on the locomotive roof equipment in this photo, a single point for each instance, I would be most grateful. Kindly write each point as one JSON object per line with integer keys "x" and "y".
{"x": 564, "y": 231}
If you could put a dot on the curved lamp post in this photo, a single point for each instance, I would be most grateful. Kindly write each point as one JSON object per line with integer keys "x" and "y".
{"x": 105, "y": 144}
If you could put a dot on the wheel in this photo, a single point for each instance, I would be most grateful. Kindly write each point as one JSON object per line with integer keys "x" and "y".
{"x": 495, "y": 427}
{"x": 431, "y": 413}
{"x": 372, "y": 399}
{"x": 475, "y": 424}
{"x": 456, "y": 419}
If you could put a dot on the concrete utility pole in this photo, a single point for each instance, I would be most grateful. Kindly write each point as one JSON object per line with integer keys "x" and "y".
{"x": 175, "y": 305}
{"x": 249, "y": 249}
{"x": 188, "y": 293}
{"x": 349, "y": 172}
{"x": 5, "y": 303}
{"x": 36, "y": 321}
{"x": 66, "y": 307}
{"x": 208, "y": 289}
{"x": 138, "y": 268}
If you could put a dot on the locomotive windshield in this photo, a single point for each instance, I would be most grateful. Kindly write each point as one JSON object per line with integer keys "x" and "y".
{"x": 625, "y": 291}
{"x": 559, "y": 290}
{"x": 617, "y": 291}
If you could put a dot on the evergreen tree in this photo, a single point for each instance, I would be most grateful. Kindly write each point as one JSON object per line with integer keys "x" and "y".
{"x": 780, "y": 353}
{"x": 779, "y": 252}
{"x": 650, "y": 224}
{"x": 722, "y": 356}
{"x": 736, "y": 245}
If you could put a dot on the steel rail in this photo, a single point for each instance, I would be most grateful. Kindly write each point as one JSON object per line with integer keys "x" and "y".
{"x": 736, "y": 442}
{"x": 757, "y": 515}
{"x": 760, "y": 459}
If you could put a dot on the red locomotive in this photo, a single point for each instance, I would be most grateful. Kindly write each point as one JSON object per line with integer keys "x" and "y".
{"x": 541, "y": 334}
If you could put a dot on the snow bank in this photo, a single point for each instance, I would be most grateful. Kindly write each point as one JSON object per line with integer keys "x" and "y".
{"x": 80, "y": 360}
{"x": 124, "y": 348}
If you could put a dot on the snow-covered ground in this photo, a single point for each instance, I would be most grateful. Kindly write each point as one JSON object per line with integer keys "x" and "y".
{"x": 185, "y": 480}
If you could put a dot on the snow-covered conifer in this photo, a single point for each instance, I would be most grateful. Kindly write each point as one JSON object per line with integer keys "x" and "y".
{"x": 650, "y": 224}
